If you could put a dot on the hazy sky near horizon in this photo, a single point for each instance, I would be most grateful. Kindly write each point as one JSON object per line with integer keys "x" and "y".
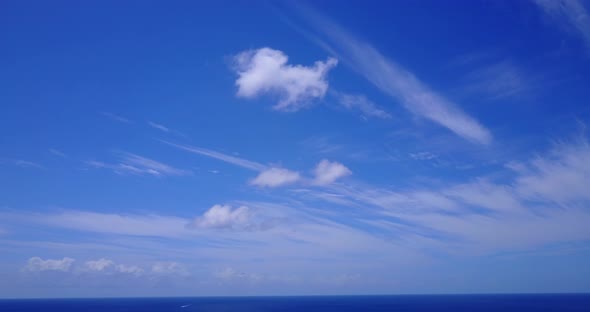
{"x": 180, "y": 148}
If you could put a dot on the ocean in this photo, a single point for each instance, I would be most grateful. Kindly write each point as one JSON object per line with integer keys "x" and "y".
{"x": 407, "y": 303}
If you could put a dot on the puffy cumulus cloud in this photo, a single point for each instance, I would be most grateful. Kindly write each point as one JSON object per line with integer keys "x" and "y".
{"x": 224, "y": 217}
{"x": 36, "y": 264}
{"x": 275, "y": 177}
{"x": 266, "y": 71}
{"x": 98, "y": 265}
{"x": 327, "y": 172}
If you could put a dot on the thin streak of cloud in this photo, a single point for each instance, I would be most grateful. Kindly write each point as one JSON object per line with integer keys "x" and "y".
{"x": 21, "y": 163}
{"x": 499, "y": 80}
{"x": 139, "y": 165}
{"x": 116, "y": 117}
{"x": 360, "y": 103}
{"x": 158, "y": 126}
{"x": 544, "y": 202}
{"x": 240, "y": 162}
{"x": 396, "y": 81}
{"x": 569, "y": 14}
{"x": 57, "y": 152}
{"x": 110, "y": 223}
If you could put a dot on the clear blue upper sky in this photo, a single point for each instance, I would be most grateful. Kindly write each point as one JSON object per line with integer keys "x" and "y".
{"x": 271, "y": 148}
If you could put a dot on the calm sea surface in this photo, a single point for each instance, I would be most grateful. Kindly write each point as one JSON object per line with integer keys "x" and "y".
{"x": 471, "y": 303}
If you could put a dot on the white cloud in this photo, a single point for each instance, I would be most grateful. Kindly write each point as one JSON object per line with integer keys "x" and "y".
{"x": 57, "y": 152}
{"x": 116, "y": 117}
{"x": 220, "y": 156}
{"x": 397, "y": 82}
{"x": 169, "y": 268}
{"x": 139, "y": 165}
{"x": 266, "y": 71}
{"x": 108, "y": 266}
{"x": 36, "y": 264}
{"x": 321, "y": 145}
{"x": 224, "y": 217}
{"x": 570, "y": 14}
{"x": 365, "y": 106}
{"x": 27, "y": 164}
{"x": 229, "y": 274}
{"x": 327, "y": 172}
{"x": 274, "y": 177}
{"x": 21, "y": 163}
{"x": 544, "y": 202}
{"x": 99, "y": 265}
{"x": 158, "y": 126}
{"x": 226, "y": 273}
{"x": 130, "y": 224}
{"x": 102, "y": 266}
{"x": 423, "y": 156}
{"x": 483, "y": 193}
{"x": 498, "y": 80}
{"x": 560, "y": 177}
{"x": 129, "y": 269}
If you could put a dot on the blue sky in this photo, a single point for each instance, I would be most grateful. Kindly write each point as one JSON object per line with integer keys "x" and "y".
{"x": 291, "y": 148}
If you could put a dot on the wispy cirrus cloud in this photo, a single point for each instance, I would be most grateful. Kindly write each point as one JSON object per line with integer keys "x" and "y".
{"x": 321, "y": 145}
{"x": 396, "y": 81}
{"x": 570, "y": 15}
{"x": 138, "y": 165}
{"x": 21, "y": 163}
{"x": 266, "y": 70}
{"x": 116, "y": 117}
{"x": 165, "y": 129}
{"x": 544, "y": 202}
{"x": 158, "y": 126}
{"x": 57, "y": 152}
{"x": 362, "y": 104}
{"x": 251, "y": 165}
{"x": 498, "y": 80}
{"x": 113, "y": 223}
{"x": 560, "y": 177}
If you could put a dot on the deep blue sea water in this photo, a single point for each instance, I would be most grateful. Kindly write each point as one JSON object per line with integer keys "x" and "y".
{"x": 413, "y": 303}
